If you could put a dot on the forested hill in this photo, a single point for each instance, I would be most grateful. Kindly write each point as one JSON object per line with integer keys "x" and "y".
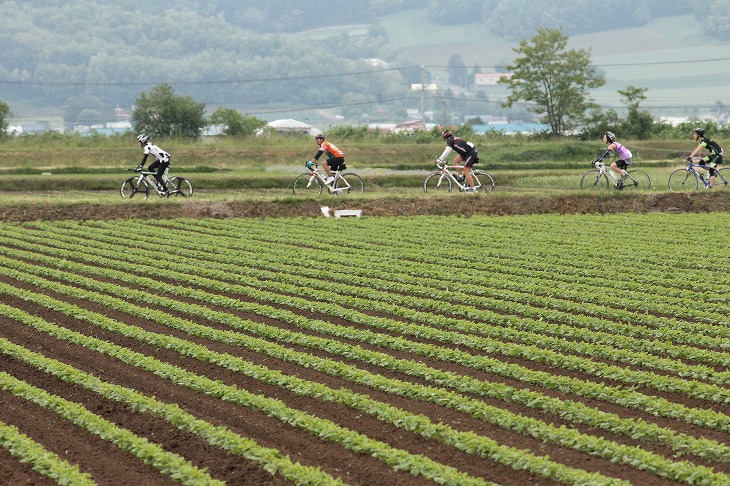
{"x": 95, "y": 54}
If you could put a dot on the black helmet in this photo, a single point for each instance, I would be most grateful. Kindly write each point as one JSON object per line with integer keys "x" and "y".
{"x": 319, "y": 136}
{"x": 609, "y": 136}
{"x": 142, "y": 138}
{"x": 446, "y": 133}
{"x": 699, "y": 131}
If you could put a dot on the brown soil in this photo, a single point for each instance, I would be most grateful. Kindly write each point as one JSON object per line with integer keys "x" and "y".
{"x": 461, "y": 204}
{"x": 109, "y": 465}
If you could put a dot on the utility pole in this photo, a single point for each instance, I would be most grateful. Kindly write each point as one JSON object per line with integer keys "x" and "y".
{"x": 423, "y": 91}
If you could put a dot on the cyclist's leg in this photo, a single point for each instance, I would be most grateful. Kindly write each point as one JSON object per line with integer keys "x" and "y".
{"x": 332, "y": 165}
{"x": 161, "y": 173}
{"x": 155, "y": 167}
{"x": 712, "y": 163}
{"x": 620, "y": 166}
{"x": 459, "y": 161}
{"x": 468, "y": 163}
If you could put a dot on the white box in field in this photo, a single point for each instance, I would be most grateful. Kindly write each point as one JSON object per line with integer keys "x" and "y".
{"x": 345, "y": 213}
{"x": 341, "y": 213}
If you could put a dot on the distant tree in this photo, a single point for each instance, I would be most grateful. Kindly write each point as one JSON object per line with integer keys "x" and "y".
{"x": 440, "y": 11}
{"x": 89, "y": 117}
{"x": 556, "y": 80}
{"x": 639, "y": 123}
{"x": 237, "y": 124}
{"x": 472, "y": 75}
{"x": 4, "y": 115}
{"x": 457, "y": 71}
{"x": 163, "y": 114}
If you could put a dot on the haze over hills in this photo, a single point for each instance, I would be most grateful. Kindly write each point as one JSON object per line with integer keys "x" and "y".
{"x": 684, "y": 69}
{"x": 62, "y": 66}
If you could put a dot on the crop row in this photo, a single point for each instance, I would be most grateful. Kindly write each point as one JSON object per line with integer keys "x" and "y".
{"x": 532, "y": 352}
{"x": 466, "y": 441}
{"x": 399, "y": 308}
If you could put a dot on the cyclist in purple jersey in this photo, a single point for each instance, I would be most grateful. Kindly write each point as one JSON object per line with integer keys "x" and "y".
{"x": 624, "y": 157}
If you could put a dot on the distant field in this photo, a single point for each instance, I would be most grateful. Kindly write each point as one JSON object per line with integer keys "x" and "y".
{"x": 661, "y": 56}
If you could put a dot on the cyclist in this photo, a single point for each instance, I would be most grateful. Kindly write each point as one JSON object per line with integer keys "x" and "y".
{"x": 466, "y": 154}
{"x": 710, "y": 161}
{"x": 335, "y": 157}
{"x": 161, "y": 163}
{"x": 625, "y": 157}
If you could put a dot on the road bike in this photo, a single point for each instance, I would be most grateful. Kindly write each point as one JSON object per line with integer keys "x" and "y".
{"x": 688, "y": 179}
{"x": 141, "y": 185}
{"x": 598, "y": 179}
{"x": 314, "y": 181}
{"x": 445, "y": 180}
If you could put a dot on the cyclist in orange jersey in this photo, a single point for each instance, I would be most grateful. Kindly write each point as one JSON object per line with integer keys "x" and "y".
{"x": 335, "y": 157}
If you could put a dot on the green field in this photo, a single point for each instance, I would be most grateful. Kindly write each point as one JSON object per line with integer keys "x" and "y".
{"x": 416, "y": 350}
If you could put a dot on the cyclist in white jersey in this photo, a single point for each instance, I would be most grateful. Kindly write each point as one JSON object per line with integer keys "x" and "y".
{"x": 624, "y": 157}
{"x": 162, "y": 159}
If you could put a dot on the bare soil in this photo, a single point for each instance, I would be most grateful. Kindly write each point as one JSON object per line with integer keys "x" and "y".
{"x": 109, "y": 465}
{"x": 462, "y": 204}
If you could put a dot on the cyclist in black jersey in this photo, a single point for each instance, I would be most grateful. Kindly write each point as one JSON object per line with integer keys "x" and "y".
{"x": 711, "y": 160}
{"x": 466, "y": 154}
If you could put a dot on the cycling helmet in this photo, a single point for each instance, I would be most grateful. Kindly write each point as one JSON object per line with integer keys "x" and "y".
{"x": 446, "y": 133}
{"x": 699, "y": 131}
{"x": 610, "y": 136}
{"x": 142, "y": 138}
{"x": 319, "y": 136}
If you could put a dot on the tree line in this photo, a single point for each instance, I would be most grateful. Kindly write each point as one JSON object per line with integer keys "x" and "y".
{"x": 91, "y": 56}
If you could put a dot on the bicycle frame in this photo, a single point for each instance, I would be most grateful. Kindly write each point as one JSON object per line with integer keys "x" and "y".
{"x": 320, "y": 174}
{"x": 141, "y": 184}
{"x": 602, "y": 170}
{"x": 446, "y": 172}
{"x": 692, "y": 167}
{"x": 151, "y": 180}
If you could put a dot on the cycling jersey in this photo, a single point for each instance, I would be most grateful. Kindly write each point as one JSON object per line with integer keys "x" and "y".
{"x": 156, "y": 152}
{"x": 462, "y": 147}
{"x": 622, "y": 152}
{"x": 711, "y": 145}
{"x": 330, "y": 149}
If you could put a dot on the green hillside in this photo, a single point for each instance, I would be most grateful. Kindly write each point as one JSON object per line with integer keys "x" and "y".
{"x": 662, "y": 56}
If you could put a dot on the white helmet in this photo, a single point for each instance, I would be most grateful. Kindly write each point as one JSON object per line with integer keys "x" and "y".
{"x": 142, "y": 138}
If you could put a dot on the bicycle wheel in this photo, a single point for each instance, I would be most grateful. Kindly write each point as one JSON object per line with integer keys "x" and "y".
{"x": 180, "y": 186}
{"x": 135, "y": 186}
{"x": 307, "y": 184}
{"x": 637, "y": 180}
{"x": 357, "y": 186}
{"x": 683, "y": 180}
{"x": 486, "y": 182}
{"x": 593, "y": 180}
{"x": 722, "y": 179}
{"x": 437, "y": 183}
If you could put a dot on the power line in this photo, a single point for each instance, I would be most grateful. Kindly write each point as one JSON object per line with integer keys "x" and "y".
{"x": 314, "y": 76}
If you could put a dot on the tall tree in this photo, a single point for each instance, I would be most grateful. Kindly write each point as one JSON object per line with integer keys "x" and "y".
{"x": 163, "y": 113}
{"x": 457, "y": 71}
{"x": 639, "y": 122}
{"x": 236, "y": 124}
{"x": 556, "y": 80}
{"x": 4, "y": 115}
